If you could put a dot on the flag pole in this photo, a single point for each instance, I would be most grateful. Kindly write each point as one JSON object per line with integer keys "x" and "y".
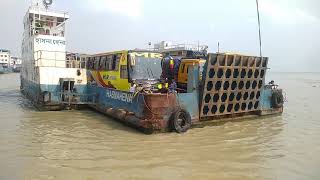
{"x": 259, "y": 24}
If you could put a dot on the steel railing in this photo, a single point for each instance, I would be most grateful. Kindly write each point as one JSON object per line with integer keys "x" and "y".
{"x": 58, "y": 59}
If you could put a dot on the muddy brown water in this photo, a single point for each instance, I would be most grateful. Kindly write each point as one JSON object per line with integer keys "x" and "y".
{"x": 87, "y": 145}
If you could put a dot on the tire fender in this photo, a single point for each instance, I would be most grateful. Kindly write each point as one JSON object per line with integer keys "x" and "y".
{"x": 181, "y": 121}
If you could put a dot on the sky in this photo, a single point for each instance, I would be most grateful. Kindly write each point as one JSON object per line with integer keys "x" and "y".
{"x": 290, "y": 28}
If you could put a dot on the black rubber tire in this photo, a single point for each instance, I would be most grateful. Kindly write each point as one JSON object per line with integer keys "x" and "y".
{"x": 181, "y": 121}
{"x": 277, "y": 99}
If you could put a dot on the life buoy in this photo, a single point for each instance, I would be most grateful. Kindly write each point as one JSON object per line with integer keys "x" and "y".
{"x": 277, "y": 99}
{"x": 181, "y": 121}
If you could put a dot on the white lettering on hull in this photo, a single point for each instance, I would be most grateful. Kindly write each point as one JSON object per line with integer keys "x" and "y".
{"x": 124, "y": 97}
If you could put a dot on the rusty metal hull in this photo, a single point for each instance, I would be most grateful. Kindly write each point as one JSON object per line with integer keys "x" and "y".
{"x": 152, "y": 113}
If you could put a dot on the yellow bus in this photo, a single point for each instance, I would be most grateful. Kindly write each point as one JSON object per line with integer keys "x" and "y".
{"x": 117, "y": 70}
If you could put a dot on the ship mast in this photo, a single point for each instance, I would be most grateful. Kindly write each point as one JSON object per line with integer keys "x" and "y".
{"x": 41, "y": 4}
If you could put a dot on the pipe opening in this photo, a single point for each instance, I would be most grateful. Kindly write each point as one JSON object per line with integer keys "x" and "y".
{"x": 224, "y": 97}
{"x": 256, "y": 105}
{"x": 237, "y": 107}
{"x": 216, "y": 98}
{"x": 213, "y": 60}
{"x": 243, "y": 73}
{"x": 212, "y": 73}
{"x": 250, "y": 106}
{"x": 245, "y": 61}
{"x": 207, "y": 98}
{"x": 258, "y": 95}
{"x": 230, "y": 107}
{"x": 237, "y": 61}
{"x": 205, "y": 110}
{"x": 241, "y": 85}
{"x": 246, "y": 96}
{"x": 256, "y": 73}
{"x": 260, "y": 84}
{"x": 231, "y": 97}
{"x": 226, "y": 85}
{"x": 264, "y": 62}
{"x": 254, "y": 85}
{"x": 258, "y": 62}
{"x": 239, "y": 96}
{"x": 243, "y": 106}
{"x": 250, "y": 73}
{"x": 218, "y": 85}
{"x": 234, "y": 85}
{"x": 251, "y": 62}
{"x": 252, "y": 95}
{"x": 262, "y": 74}
{"x": 228, "y": 73}
{"x": 248, "y": 85}
{"x": 230, "y": 60}
{"x": 236, "y": 73}
{"x": 209, "y": 86}
{"x": 214, "y": 109}
{"x": 220, "y": 73}
{"x": 222, "y": 60}
{"x": 222, "y": 108}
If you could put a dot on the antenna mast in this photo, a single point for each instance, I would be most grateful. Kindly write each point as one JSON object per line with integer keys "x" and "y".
{"x": 259, "y": 24}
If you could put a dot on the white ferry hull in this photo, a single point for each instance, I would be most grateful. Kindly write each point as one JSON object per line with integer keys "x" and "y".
{"x": 48, "y": 95}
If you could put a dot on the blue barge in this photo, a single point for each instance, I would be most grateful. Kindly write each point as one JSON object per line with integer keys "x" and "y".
{"x": 231, "y": 87}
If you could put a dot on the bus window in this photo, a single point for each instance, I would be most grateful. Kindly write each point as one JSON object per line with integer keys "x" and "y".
{"x": 114, "y": 62}
{"x": 103, "y": 63}
{"x": 90, "y": 63}
{"x": 123, "y": 72}
{"x": 118, "y": 61}
{"x": 109, "y": 63}
{"x": 83, "y": 63}
{"x": 96, "y": 63}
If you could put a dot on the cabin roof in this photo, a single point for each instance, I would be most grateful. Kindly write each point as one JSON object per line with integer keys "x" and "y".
{"x": 49, "y": 13}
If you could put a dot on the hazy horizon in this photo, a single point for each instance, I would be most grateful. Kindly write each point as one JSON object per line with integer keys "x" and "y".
{"x": 290, "y": 29}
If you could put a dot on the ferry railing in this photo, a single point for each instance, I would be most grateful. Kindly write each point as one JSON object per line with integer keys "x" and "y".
{"x": 40, "y": 10}
{"x": 46, "y": 26}
{"x": 191, "y": 47}
{"x": 58, "y": 59}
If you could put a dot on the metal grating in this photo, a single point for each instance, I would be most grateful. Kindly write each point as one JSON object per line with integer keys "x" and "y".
{"x": 232, "y": 84}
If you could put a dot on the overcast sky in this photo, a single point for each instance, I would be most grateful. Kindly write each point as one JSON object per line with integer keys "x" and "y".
{"x": 290, "y": 28}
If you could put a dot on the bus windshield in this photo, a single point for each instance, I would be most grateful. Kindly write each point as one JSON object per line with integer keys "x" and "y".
{"x": 145, "y": 68}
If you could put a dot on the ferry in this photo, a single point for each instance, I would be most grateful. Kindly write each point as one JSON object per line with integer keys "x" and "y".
{"x": 130, "y": 87}
{"x": 151, "y": 90}
{"x": 48, "y": 78}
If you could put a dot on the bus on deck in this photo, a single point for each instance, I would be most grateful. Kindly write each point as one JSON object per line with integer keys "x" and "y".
{"x": 119, "y": 69}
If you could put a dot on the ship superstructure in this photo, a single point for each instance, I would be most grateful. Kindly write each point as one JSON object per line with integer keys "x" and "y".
{"x": 46, "y": 73}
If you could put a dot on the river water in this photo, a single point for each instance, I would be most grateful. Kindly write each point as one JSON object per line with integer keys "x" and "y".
{"x": 87, "y": 145}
